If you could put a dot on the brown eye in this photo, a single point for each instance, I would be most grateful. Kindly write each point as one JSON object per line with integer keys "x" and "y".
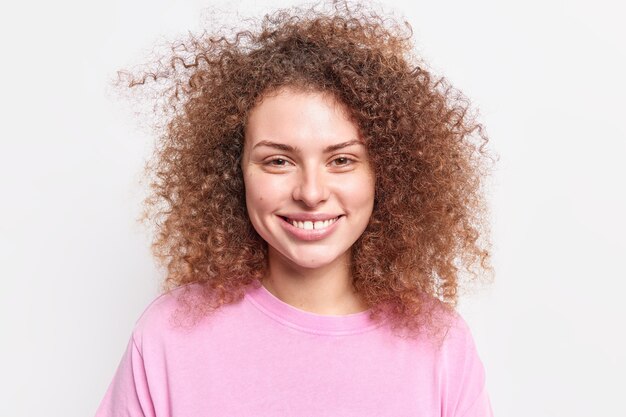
{"x": 342, "y": 161}
{"x": 277, "y": 162}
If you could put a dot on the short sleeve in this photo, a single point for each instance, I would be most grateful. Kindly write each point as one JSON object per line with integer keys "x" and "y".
{"x": 465, "y": 381}
{"x": 128, "y": 394}
{"x": 481, "y": 406}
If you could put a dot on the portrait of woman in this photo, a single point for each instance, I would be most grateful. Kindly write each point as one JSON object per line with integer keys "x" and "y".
{"x": 317, "y": 195}
{"x": 347, "y": 208}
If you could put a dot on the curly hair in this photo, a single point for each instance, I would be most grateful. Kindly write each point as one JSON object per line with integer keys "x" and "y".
{"x": 427, "y": 151}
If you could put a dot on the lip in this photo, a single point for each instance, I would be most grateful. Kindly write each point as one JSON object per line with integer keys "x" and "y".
{"x": 312, "y": 217}
{"x": 310, "y": 235}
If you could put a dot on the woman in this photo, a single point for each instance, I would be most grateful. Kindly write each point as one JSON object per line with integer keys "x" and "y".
{"x": 316, "y": 195}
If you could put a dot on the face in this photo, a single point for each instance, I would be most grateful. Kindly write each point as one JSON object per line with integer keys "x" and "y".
{"x": 309, "y": 184}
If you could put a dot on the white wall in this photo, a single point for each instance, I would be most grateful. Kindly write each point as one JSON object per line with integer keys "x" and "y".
{"x": 76, "y": 269}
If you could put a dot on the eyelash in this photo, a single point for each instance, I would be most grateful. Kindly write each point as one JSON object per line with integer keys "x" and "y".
{"x": 349, "y": 161}
{"x": 270, "y": 162}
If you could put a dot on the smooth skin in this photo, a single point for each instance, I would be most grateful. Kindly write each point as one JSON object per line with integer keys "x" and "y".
{"x": 302, "y": 156}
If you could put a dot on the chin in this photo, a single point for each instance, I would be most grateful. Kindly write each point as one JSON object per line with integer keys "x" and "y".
{"x": 313, "y": 264}
{"x": 315, "y": 261}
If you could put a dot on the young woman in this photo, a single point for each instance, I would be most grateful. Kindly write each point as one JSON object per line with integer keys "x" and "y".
{"x": 316, "y": 196}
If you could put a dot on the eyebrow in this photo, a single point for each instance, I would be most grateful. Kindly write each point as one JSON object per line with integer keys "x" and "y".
{"x": 289, "y": 148}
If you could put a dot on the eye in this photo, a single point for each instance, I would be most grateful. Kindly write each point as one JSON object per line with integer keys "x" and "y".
{"x": 342, "y": 161}
{"x": 277, "y": 162}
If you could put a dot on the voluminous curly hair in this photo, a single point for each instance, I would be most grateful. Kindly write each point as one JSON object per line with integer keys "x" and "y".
{"x": 429, "y": 223}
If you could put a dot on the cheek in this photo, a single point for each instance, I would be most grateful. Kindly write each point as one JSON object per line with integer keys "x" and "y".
{"x": 254, "y": 196}
{"x": 360, "y": 191}
{"x": 261, "y": 194}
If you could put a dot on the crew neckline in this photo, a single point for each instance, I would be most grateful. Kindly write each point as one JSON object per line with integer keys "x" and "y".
{"x": 306, "y": 321}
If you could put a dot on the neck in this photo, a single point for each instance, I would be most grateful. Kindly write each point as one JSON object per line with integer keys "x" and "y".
{"x": 327, "y": 290}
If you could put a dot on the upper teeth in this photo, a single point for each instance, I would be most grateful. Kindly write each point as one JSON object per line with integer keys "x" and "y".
{"x": 309, "y": 225}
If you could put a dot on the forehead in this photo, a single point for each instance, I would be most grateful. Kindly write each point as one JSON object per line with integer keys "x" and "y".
{"x": 302, "y": 118}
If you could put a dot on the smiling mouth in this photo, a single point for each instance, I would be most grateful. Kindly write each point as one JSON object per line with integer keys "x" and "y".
{"x": 311, "y": 225}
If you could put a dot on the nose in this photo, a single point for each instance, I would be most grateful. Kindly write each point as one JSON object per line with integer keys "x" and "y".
{"x": 311, "y": 188}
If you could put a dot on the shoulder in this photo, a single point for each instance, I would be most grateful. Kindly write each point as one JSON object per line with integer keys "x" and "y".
{"x": 458, "y": 336}
{"x": 457, "y": 348}
{"x": 445, "y": 328}
{"x": 164, "y": 315}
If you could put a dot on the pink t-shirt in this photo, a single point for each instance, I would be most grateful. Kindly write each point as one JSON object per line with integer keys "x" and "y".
{"x": 263, "y": 357}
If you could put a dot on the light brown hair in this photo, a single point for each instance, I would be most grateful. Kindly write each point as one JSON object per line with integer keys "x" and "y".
{"x": 429, "y": 223}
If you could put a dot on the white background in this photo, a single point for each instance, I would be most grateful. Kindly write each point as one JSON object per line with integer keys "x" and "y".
{"x": 76, "y": 272}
